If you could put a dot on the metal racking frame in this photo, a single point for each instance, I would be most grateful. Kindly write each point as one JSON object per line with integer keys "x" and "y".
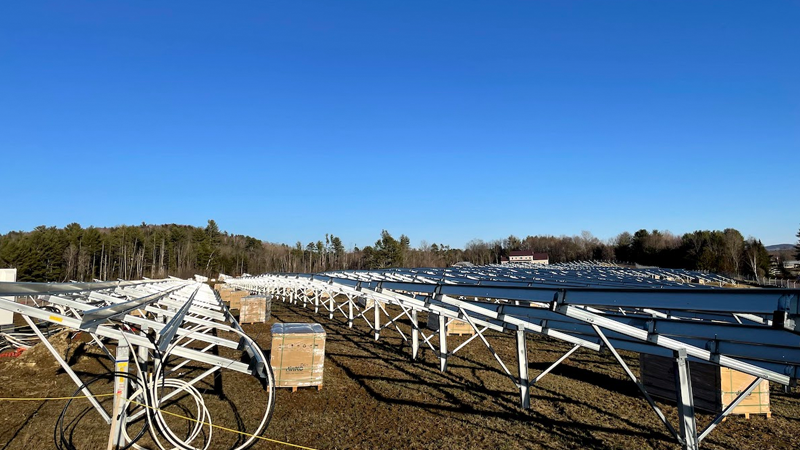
{"x": 679, "y": 314}
{"x": 154, "y": 323}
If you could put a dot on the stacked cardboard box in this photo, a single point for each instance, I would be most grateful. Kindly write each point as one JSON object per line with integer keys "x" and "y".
{"x": 714, "y": 387}
{"x": 455, "y": 327}
{"x": 734, "y": 382}
{"x": 235, "y": 298}
{"x": 298, "y": 354}
{"x": 255, "y": 308}
{"x": 225, "y": 294}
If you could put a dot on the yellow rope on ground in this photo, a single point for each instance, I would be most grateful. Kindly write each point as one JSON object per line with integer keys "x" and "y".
{"x": 40, "y": 399}
{"x": 221, "y": 427}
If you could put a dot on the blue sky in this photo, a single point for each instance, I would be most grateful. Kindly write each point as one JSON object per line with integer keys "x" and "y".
{"x": 445, "y": 121}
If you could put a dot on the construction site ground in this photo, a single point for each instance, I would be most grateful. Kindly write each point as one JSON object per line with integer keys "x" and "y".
{"x": 374, "y": 396}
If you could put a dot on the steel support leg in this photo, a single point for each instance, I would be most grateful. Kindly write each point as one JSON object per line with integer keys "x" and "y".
{"x": 377, "y": 320}
{"x": 118, "y": 419}
{"x": 144, "y": 354}
{"x": 522, "y": 359}
{"x": 683, "y": 387}
{"x": 442, "y": 343}
{"x": 414, "y": 334}
{"x": 349, "y": 312}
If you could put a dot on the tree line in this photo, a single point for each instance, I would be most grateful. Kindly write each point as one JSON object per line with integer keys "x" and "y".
{"x": 157, "y": 251}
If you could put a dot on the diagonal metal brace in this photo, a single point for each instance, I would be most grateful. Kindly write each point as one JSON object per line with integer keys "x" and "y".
{"x": 167, "y": 333}
{"x": 627, "y": 370}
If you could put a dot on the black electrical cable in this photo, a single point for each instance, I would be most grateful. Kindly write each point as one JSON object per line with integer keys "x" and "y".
{"x": 150, "y": 399}
{"x": 59, "y": 433}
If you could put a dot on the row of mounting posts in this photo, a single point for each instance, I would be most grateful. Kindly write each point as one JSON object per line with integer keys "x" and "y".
{"x": 687, "y": 436}
{"x": 688, "y": 431}
{"x": 580, "y": 311}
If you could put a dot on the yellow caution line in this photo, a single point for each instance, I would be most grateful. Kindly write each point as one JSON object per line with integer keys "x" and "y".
{"x": 221, "y": 427}
{"x": 40, "y": 399}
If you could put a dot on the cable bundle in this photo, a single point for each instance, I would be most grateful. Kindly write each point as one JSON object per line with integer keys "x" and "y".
{"x": 148, "y": 391}
{"x": 23, "y": 337}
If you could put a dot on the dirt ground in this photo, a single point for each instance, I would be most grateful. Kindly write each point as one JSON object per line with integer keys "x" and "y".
{"x": 374, "y": 396}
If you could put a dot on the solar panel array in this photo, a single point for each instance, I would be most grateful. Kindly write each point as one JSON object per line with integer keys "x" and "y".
{"x": 574, "y": 274}
{"x": 683, "y": 315}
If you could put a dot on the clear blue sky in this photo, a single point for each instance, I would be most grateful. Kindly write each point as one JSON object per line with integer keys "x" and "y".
{"x": 445, "y": 121}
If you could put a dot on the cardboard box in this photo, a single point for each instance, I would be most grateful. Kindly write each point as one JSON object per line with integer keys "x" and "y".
{"x": 714, "y": 387}
{"x": 225, "y": 294}
{"x": 255, "y": 308}
{"x": 235, "y": 298}
{"x": 454, "y": 328}
{"x": 365, "y": 302}
{"x": 138, "y": 313}
{"x": 298, "y": 354}
{"x": 734, "y": 382}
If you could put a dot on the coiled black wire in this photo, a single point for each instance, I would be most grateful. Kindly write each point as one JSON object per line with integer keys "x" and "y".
{"x": 60, "y": 433}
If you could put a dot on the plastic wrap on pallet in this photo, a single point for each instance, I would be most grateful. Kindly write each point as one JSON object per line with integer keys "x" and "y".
{"x": 298, "y": 354}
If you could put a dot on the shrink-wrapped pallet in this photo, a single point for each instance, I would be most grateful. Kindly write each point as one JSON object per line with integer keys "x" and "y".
{"x": 298, "y": 354}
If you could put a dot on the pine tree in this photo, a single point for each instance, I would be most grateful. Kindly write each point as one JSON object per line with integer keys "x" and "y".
{"x": 797, "y": 247}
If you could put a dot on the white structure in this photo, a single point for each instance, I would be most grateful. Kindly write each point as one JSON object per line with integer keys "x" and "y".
{"x": 7, "y": 317}
{"x": 526, "y": 256}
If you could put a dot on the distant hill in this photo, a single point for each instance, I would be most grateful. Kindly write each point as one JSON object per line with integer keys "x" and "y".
{"x": 778, "y": 247}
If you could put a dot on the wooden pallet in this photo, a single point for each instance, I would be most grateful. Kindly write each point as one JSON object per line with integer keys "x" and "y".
{"x": 746, "y": 415}
{"x": 454, "y": 333}
{"x": 294, "y": 388}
